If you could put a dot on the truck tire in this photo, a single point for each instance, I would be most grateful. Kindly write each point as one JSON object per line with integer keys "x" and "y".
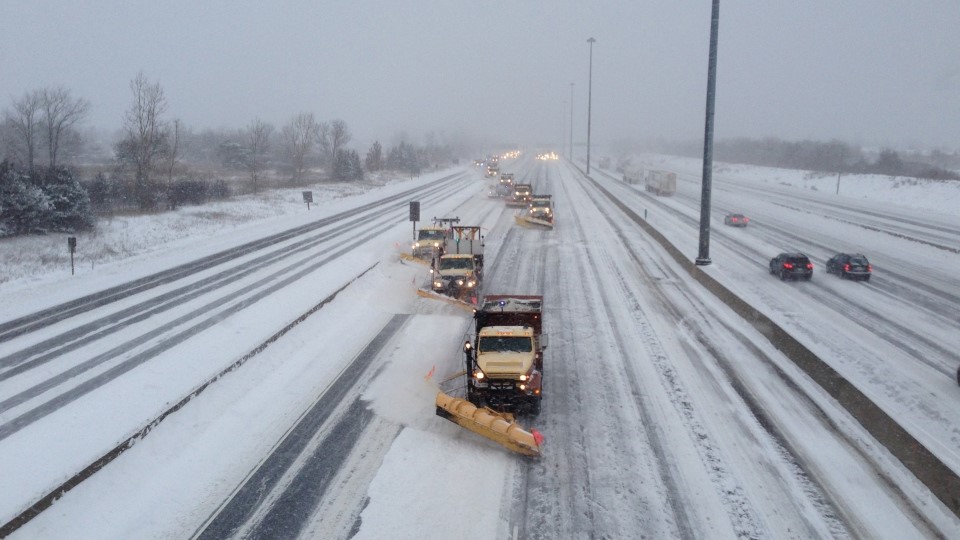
{"x": 534, "y": 405}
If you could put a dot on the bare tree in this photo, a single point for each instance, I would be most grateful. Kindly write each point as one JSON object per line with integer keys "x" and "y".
{"x": 144, "y": 133}
{"x": 323, "y": 139}
{"x": 299, "y": 136}
{"x": 339, "y": 136}
{"x": 173, "y": 148}
{"x": 25, "y": 119}
{"x": 258, "y": 139}
{"x": 60, "y": 113}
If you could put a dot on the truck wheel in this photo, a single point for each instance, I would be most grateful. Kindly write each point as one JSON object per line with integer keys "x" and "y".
{"x": 535, "y": 403}
{"x": 472, "y": 397}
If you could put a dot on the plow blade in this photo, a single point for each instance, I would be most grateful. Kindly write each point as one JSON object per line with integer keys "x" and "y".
{"x": 534, "y": 223}
{"x": 410, "y": 258}
{"x": 489, "y": 424}
{"x": 448, "y": 299}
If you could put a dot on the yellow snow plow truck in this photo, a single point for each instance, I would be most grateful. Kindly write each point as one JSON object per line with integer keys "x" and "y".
{"x": 521, "y": 195}
{"x": 504, "y": 360}
{"x": 504, "y": 371}
{"x": 457, "y": 274}
{"x": 429, "y": 243}
{"x": 539, "y": 213}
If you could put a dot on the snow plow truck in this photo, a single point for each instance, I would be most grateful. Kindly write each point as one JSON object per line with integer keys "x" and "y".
{"x": 539, "y": 213}
{"x": 456, "y": 275}
{"x": 504, "y": 371}
{"x": 504, "y": 360}
{"x": 521, "y": 195}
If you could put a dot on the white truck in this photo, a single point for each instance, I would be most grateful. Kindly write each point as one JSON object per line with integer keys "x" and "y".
{"x": 661, "y": 182}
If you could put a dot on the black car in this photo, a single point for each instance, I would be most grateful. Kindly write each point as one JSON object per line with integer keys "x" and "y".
{"x": 791, "y": 266}
{"x": 736, "y": 220}
{"x": 850, "y": 265}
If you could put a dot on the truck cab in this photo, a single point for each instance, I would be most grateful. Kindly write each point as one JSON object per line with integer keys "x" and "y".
{"x": 541, "y": 207}
{"x": 430, "y": 242}
{"x": 521, "y": 195}
{"x": 457, "y": 274}
{"x": 505, "y": 359}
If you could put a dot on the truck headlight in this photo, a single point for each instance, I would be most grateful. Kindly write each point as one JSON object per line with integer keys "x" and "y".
{"x": 523, "y": 377}
{"x": 438, "y": 284}
{"x": 523, "y": 387}
{"x": 478, "y": 375}
{"x": 416, "y": 245}
{"x": 471, "y": 283}
{"x": 459, "y": 282}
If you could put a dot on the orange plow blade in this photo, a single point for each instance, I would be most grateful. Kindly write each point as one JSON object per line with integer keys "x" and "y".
{"x": 489, "y": 424}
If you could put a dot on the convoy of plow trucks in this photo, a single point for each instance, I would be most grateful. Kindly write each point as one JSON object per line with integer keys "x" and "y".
{"x": 503, "y": 356}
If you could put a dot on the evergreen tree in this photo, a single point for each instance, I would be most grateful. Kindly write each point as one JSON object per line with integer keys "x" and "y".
{"x": 69, "y": 204}
{"x": 23, "y": 205}
{"x": 356, "y": 170}
{"x": 374, "y": 161}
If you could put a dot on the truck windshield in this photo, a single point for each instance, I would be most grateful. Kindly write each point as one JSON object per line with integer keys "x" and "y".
{"x": 460, "y": 263}
{"x": 431, "y": 235}
{"x": 505, "y": 344}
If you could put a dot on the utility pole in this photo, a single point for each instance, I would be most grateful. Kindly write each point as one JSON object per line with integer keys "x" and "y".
{"x": 570, "y": 155}
{"x": 703, "y": 257}
{"x": 563, "y": 129}
{"x": 591, "y": 41}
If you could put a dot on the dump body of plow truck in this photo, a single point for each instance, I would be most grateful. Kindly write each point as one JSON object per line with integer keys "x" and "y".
{"x": 504, "y": 360}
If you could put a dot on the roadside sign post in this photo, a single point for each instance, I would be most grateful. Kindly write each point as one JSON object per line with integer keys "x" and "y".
{"x": 308, "y": 198}
{"x": 414, "y": 217}
{"x": 72, "y": 246}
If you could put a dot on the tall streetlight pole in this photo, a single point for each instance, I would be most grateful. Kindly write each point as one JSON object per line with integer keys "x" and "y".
{"x": 703, "y": 256}
{"x": 570, "y": 155}
{"x": 563, "y": 128}
{"x": 591, "y": 41}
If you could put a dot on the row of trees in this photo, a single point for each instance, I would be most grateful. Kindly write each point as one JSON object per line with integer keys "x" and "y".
{"x": 157, "y": 162}
{"x": 831, "y": 156}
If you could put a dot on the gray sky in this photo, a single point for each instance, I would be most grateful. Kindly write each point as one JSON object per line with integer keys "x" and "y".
{"x": 877, "y": 73}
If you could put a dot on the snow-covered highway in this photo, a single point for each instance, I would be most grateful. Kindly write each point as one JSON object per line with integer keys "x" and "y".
{"x": 666, "y": 414}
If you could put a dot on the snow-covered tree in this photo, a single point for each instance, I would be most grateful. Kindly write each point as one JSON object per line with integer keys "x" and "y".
{"x": 346, "y": 166}
{"x": 69, "y": 208}
{"x": 374, "y": 161}
{"x": 23, "y": 205}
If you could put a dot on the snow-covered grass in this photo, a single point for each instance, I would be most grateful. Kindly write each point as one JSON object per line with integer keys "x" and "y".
{"x": 938, "y": 196}
{"x": 29, "y": 258}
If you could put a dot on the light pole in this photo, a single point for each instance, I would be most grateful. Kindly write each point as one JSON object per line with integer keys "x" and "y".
{"x": 703, "y": 256}
{"x": 570, "y": 155}
{"x": 563, "y": 128}
{"x": 591, "y": 41}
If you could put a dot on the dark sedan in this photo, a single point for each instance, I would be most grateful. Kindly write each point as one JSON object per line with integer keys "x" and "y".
{"x": 736, "y": 220}
{"x": 850, "y": 265}
{"x": 791, "y": 266}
